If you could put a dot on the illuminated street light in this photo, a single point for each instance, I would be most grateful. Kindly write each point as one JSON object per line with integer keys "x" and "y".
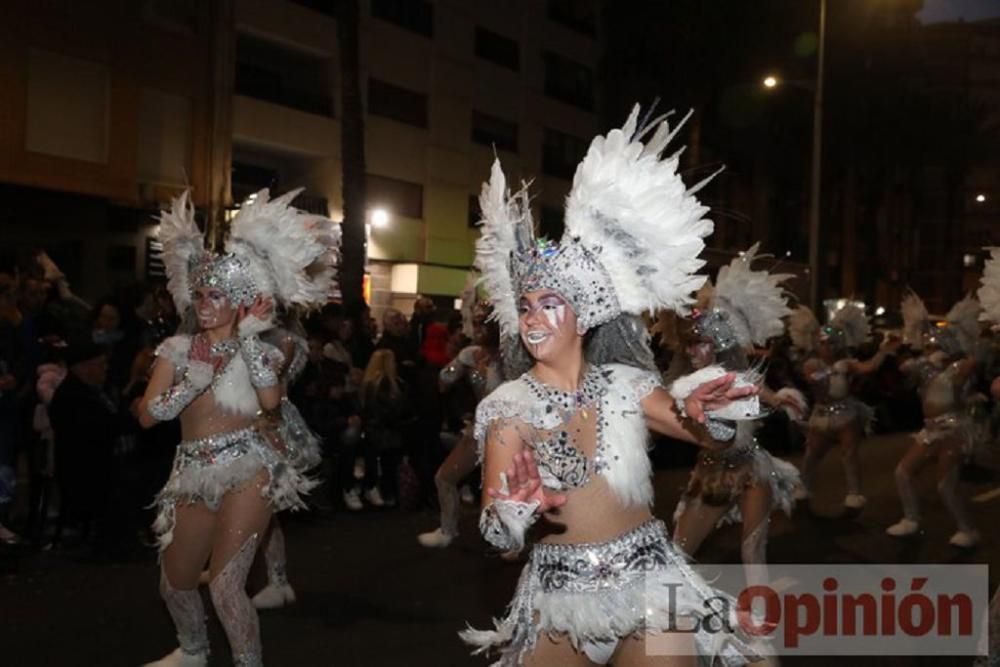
{"x": 380, "y": 218}
{"x": 770, "y": 82}
{"x": 980, "y": 198}
{"x": 880, "y": 311}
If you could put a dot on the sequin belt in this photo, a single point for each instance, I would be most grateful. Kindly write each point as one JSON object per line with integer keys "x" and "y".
{"x": 217, "y": 448}
{"x": 733, "y": 456}
{"x": 592, "y": 567}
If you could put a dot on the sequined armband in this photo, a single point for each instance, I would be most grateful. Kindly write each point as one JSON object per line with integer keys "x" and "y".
{"x": 503, "y": 523}
{"x": 168, "y": 405}
{"x": 260, "y": 362}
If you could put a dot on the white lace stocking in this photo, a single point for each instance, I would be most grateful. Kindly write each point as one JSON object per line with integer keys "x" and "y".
{"x": 275, "y": 557}
{"x": 188, "y": 613}
{"x": 234, "y": 609}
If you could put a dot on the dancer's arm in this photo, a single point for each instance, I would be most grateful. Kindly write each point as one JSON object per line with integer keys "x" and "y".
{"x": 662, "y": 415}
{"x": 889, "y": 347}
{"x": 513, "y": 495}
{"x": 263, "y": 361}
{"x": 166, "y": 394}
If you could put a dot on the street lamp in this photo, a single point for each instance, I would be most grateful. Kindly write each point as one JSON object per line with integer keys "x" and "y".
{"x": 815, "y": 180}
{"x": 380, "y": 218}
{"x": 980, "y": 198}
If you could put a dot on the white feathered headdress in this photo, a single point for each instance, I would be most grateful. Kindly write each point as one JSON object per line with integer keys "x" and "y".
{"x": 960, "y": 333}
{"x": 273, "y": 250}
{"x": 747, "y": 306}
{"x": 632, "y": 237}
{"x": 916, "y": 321}
{"x": 848, "y": 328}
{"x": 803, "y": 328}
{"x": 989, "y": 293}
{"x": 291, "y": 254}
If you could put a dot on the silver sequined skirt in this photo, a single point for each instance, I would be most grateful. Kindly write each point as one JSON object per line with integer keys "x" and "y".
{"x": 206, "y": 469}
{"x": 598, "y": 594}
{"x": 833, "y": 417}
{"x": 957, "y": 427}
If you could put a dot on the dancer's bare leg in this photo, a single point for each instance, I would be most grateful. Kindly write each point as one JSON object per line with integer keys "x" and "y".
{"x": 695, "y": 524}
{"x": 278, "y": 591}
{"x": 181, "y": 565}
{"x": 674, "y": 649}
{"x": 850, "y": 441}
{"x": 949, "y": 468}
{"x": 914, "y": 460}
{"x": 460, "y": 462}
{"x": 242, "y": 520}
{"x": 817, "y": 446}
{"x": 756, "y": 505}
{"x": 560, "y": 651}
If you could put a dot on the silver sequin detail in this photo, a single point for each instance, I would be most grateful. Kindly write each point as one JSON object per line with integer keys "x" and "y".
{"x": 229, "y": 273}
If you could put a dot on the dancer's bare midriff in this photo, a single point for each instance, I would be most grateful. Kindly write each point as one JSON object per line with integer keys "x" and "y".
{"x": 204, "y": 417}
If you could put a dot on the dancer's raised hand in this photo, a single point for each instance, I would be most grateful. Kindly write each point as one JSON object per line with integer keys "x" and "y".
{"x": 714, "y": 395}
{"x": 524, "y": 484}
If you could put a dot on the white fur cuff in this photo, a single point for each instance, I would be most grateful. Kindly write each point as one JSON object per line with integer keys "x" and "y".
{"x": 200, "y": 374}
{"x": 251, "y": 325}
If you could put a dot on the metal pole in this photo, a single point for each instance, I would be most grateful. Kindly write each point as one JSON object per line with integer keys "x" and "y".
{"x": 817, "y": 162}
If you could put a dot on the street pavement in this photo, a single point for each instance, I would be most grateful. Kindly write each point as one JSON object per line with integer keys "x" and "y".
{"x": 370, "y": 595}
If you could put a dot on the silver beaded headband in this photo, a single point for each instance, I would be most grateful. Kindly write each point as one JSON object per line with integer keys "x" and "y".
{"x": 572, "y": 271}
{"x": 229, "y": 273}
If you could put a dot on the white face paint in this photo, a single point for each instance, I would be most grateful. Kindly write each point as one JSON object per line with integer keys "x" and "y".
{"x": 544, "y": 336}
{"x": 212, "y": 307}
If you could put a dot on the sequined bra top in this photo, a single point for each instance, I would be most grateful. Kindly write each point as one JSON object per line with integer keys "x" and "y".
{"x": 484, "y": 377}
{"x": 548, "y": 421}
{"x": 937, "y": 386}
{"x": 830, "y": 383}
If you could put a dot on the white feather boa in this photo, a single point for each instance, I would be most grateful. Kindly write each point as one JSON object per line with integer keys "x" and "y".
{"x": 989, "y": 292}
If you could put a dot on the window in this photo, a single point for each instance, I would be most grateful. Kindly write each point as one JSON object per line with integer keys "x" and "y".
{"x": 497, "y": 49}
{"x": 475, "y": 213}
{"x": 576, "y": 15}
{"x": 250, "y": 178}
{"x": 492, "y": 131}
{"x": 268, "y": 72}
{"x": 561, "y": 153}
{"x": 398, "y": 197}
{"x": 414, "y": 15}
{"x": 389, "y": 101}
{"x": 568, "y": 81}
{"x": 550, "y": 224}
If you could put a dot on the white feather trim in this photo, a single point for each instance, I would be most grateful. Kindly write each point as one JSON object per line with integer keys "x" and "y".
{"x": 626, "y": 436}
{"x": 251, "y": 325}
{"x": 989, "y": 292}
{"x": 755, "y": 300}
{"x": 183, "y": 245}
{"x": 503, "y": 214}
{"x": 803, "y": 328}
{"x": 683, "y": 387}
{"x": 633, "y": 210}
{"x": 292, "y": 254}
{"x": 964, "y": 317}
{"x": 200, "y": 373}
{"x": 799, "y": 413}
{"x": 915, "y": 319}
{"x": 175, "y": 350}
{"x": 233, "y": 391}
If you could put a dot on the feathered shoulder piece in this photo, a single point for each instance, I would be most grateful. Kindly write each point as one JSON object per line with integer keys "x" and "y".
{"x": 852, "y": 321}
{"x": 630, "y": 208}
{"x": 183, "y": 248}
{"x": 963, "y": 318}
{"x": 989, "y": 292}
{"x": 916, "y": 321}
{"x": 292, "y": 255}
{"x": 753, "y": 300}
{"x": 803, "y": 328}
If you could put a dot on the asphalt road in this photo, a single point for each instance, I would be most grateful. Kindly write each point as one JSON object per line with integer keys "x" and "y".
{"x": 370, "y": 595}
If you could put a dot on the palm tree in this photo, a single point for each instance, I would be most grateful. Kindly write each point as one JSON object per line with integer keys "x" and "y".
{"x": 352, "y": 127}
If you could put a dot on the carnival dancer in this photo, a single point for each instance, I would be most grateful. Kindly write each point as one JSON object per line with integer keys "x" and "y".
{"x": 837, "y": 416}
{"x": 287, "y": 430}
{"x": 479, "y": 364}
{"x": 942, "y": 375}
{"x": 739, "y": 481}
{"x": 566, "y": 441}
{"x": 228, "y": 476}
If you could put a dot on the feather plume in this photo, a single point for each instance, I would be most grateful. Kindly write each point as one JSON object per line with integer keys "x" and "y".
{"x": 292, "y": 254}
{"x": 964, "y": 318}
{"x": 754, "y": 299}
{"x": 989, "y": 292}
{"x": 803, "y": 328}
{"x": 506, "y": 227}
{"x": 854, "y": 323}
{"x": 915, "y": 318}
{"x": 632, "y": 208}
{"x": 183, "y": 246}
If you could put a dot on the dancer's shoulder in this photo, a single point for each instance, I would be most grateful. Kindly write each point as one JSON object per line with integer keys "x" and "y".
{"x": 175, "y": 350}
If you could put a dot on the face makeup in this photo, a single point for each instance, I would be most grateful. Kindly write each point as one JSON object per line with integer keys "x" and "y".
{"x": 212, "y": 307}
{"x": 545, "y": 323}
